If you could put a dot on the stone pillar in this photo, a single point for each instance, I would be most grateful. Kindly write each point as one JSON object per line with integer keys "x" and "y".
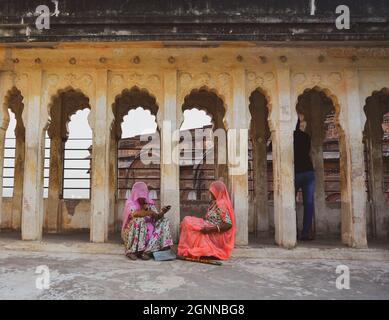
{"x": 283, "y": 164}
{"x": 354, "y": 195}
{"x": 17, "y": 198}
{"x": 237, "y": 146}
{"x": 53, "y": 212}
{"x": 100, "y": 204}
{"x": 259, "y": 136}
{"x": 374, "y": 143}
{"x": 4, "y": 121}
{"x": 168, "y": 121}
{"x": 33, "y": 117}
{"x": 261, "y": 203}
{"x": 221, "y": 165}
{"x": 114, "y": 214}
{"x": 317, "y": 119}
{"x": 53, "y": 209}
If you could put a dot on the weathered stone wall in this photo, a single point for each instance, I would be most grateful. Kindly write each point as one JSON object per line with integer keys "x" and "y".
{"x": 251, "y": 20}
{"x": 229, "y": 71}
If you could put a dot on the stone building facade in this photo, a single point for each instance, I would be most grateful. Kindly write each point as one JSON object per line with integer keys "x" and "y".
{"x": 249, "y": 69}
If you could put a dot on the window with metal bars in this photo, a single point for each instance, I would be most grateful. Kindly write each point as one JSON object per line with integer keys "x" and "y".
{"x": 9, "y": 157}
{"x": 9, "y": 166}
{"x": 138, "y": 128}
{"x": 46, "y": 169}
{"x": 130, "y": 168}
{"x": 76, "y": 168}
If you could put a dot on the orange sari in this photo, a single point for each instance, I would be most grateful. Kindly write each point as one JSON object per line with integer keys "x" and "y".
{"x": 194, "y": 244}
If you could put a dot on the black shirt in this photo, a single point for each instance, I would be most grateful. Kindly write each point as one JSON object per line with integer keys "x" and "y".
{"x": 302, "y": 148}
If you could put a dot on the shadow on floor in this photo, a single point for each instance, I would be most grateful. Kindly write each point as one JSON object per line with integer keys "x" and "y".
{"x": 323, "y": 242}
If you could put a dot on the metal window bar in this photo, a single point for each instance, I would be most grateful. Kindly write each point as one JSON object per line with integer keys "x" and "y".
{"x": 66, "y": 168}
{"x": 128, "y": 150}
{"x": 9, "y": 186}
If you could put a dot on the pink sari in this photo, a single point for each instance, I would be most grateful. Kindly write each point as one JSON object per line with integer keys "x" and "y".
{"x": 195, "y": 244}
{"x": 139, "y": 190}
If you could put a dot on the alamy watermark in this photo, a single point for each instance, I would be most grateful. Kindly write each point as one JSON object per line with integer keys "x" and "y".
{"x": 197, "y": 146}
{"x": 343, "y": 280}
{"x": 42, "y": 281}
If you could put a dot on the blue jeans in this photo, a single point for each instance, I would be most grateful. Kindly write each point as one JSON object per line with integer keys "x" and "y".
{"x": 306, "y": 182}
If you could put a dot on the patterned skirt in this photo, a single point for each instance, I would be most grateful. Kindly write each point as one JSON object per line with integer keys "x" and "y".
{"x": 142, "y": 236}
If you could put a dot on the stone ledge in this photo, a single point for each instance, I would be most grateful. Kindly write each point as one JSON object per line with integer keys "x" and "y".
{"x": 299, "y": 253}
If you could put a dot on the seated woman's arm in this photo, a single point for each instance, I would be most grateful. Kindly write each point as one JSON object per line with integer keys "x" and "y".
{"x": 224, "y": 225}
{"x": 219, "y": 228}
{"x": 141, "y": 213}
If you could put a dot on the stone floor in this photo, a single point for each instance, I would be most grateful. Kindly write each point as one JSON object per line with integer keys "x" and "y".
{"x": 82, "y": 270}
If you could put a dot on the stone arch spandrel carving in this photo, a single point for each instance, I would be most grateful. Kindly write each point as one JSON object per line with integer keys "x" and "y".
{"x": 208, "y": 101}
{"x": 130, "y": 99}
{"x": 12, "y": 83}
{"x": 374, "y": 94}
{"x": 13, "y": 100}
{"x": 58, "y": 82}
{"x": 265, "y": 83}
{"x": 72, "y": 100}
{"x": 219, "y": 83}
{"x": 371, "y": 81}
{"x": 331, "y": 83}
{"x": 152, "y": 83}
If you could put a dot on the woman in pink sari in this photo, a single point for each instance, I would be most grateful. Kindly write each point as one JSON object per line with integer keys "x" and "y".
{"x": 144, "y": 229}
{"x": 214, "y": 235}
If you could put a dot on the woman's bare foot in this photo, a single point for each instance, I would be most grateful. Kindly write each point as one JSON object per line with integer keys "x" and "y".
{"x": 131, "y": 255}
{"x": 145, "y": 256}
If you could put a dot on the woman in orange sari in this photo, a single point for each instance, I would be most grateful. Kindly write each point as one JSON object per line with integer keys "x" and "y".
{"x": 214, "y": 235}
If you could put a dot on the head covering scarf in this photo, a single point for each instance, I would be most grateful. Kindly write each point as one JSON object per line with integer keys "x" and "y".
{"x": 139, "y": 190}
{"x": 225, "y": 239}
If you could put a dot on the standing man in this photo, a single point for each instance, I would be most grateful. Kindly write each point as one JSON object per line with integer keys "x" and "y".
{"x": 304, "y": 176}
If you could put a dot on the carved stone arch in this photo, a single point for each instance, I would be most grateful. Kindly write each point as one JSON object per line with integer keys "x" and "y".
{"x": 11, "y": 81}
{"x": 372, "y": 82}
{"x": 265, "y": 83}
{"x": 267, "y": 105}
{"x": 195, "y": 100}
{"x": 327, "y": 94}
{"x": 150, "y": 83}
{"x": 218, "y": 83}
{"x": 332, "y": 83}
{"x": 130, "y": 99}
{"x": 67, "y": 110}
{"x": 382, "y": 98}
{"x": 55, "y": 83}
{"x": 13, "y": 100}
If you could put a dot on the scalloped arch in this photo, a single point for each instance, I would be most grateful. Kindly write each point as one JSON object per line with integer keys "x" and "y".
{"x": 328, "y": 93}
{"x": 4, "y": 111}
{"x": 151, "y": 104}
{"x": 268, "y": 105}
{"x": 206, "y": 109}
{"x": 55, "y": 96}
